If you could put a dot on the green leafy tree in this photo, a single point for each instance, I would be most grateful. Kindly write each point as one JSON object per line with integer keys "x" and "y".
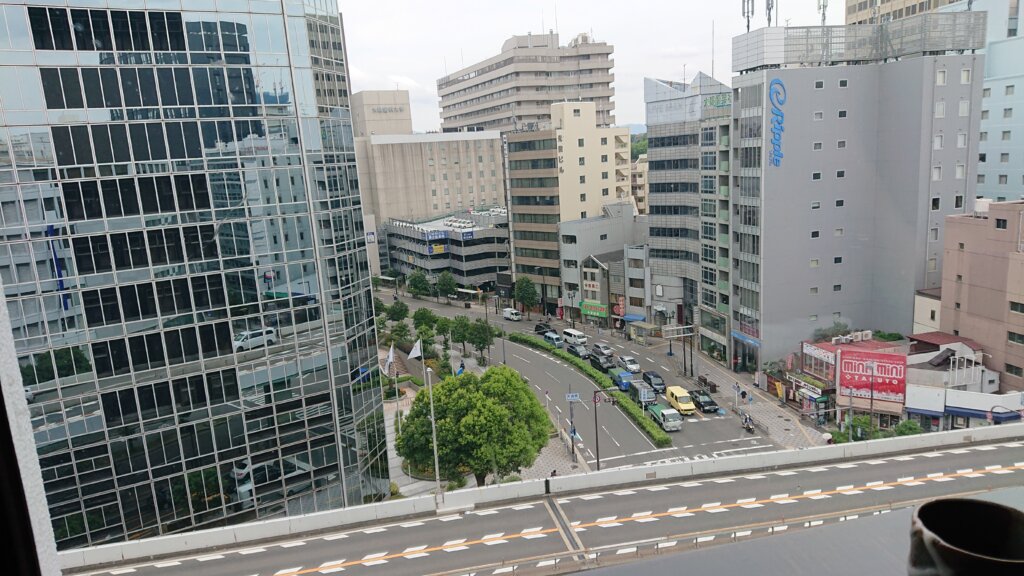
{"x": 446, "y": 285}
{"x": 423, "y": 317}
{"x": 837, "y": 329}
{"x": 398, "y": 311}
{"x": 526, "y": 294}
{"x": 418, "y": 285}
{"x": 379, "y": 306}
{"x": 485, "y": 425}
{"x": 460, "y": 331}
{"x": 638, "y": 146}
{"x": 400, "y": 332}
{"x": 480, "y": 335}
{"x": 426, "y": 334}
{"x": 443, "y": 327}
{"x": 907, "y": 428}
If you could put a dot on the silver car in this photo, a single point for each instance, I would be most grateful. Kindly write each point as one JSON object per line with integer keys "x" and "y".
{"x": 629, "y": 363}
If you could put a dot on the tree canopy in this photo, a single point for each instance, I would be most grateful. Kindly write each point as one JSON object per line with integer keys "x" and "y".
{"x": 489, "y": 424}
{"x": 443, "y": 327}
{"x": 526, "y": 293}
{"x": 418, "y": 285}
{"x": 423, "y": 317}
{"x": 446, "y": 284}
{"x": 480, "y": 335}
{"x": 460, "y": 331}
{"x": 400, "y": 332}
{"x": 398, "y": 311}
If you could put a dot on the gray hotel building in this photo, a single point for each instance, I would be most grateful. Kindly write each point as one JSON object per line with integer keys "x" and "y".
{"x": 182, "y": 255}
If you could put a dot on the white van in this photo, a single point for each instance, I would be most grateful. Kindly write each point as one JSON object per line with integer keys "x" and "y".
{"x": 254, "y": 339}
{"x": 574, "y": 337}
{"x": 553, "y": 339}
{"x": 511, "y": 314}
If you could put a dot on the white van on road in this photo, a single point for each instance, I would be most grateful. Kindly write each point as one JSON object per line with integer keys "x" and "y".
{"x": 511, "y": 314}
{"x": 574, "y": 337}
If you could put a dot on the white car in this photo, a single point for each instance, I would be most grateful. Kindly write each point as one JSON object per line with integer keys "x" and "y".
{"x": 254, "y": 339}
{"x": 247, "y": 477}
{"x": 600, "y": 349}
{"x": 629, "y": 363}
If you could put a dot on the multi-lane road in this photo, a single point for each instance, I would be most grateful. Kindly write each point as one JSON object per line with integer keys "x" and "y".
{"x": 620, "y": 441}
{"x": 544, "y": 535}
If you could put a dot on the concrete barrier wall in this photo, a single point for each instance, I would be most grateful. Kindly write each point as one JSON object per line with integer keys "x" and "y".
{"x": 531, "y": 489}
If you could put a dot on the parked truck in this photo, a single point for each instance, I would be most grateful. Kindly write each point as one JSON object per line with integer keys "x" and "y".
{"x": 642, "y": 394}
{"x": 623, "y": 379}
{"x": 668, "y": 418}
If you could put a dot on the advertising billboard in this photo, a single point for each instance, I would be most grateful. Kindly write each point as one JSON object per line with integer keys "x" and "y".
{"x": 859, "y": 371}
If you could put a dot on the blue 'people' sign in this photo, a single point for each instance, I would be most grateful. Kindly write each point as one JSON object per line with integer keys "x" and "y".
{"x": 777, "y": 98}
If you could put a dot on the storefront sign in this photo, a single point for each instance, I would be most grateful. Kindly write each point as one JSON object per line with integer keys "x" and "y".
{"x": 718, "y": 101}
{"x": 467, "y": 235}
{"x": 815, "y": 352}
{"x": 588, "y": 308}
{"x": 435, "y": 249}
{"x": 777, "y": 99}
{"x": 387, "y": 109}
{"x": 860, "y": 371}
{"x": 436, "y": 235}
{"x": 591, "y": 286}
{"x": 744, "y": 338}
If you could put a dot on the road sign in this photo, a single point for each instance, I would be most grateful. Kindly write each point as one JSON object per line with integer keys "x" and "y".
{"x": 736, "y": 386}
{"x": 572, "y": 397}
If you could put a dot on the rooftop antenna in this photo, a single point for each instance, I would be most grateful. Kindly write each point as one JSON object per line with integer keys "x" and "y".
{"x": 874, "y": 12}
{"x": 769, "y": 4}
{"x": 748, "y": 11}
{"x": 556, "y": 17}
{"x": 823, "y": 8}
{"x": 713, "y": 45}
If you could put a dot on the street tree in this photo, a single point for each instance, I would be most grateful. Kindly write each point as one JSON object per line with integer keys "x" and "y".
{"x": 400, "y": 332}
{"x": 446, "y": 285}
{"x": 480, "y": 335}
{"x": 443, "y": 327}
{"x": 418, "y": 285}
{"x": 907, "y": 428}
{"x": 460, "y": 331}
{"x": 398, "y": 311}
{"x": 526, "y": 294}
{"x": 426, "y": 334}
{"x": 488, "y": 425}
{"x": 423, "y": 317}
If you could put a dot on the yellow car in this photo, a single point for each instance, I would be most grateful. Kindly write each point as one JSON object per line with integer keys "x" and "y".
{"x": 680, "y": 399}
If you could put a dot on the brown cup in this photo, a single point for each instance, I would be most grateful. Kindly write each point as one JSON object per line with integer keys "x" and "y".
{"x": 957, "y": 536}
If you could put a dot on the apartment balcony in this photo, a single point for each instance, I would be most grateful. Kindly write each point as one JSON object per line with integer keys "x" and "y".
{"x": 723, "y": 166}
{"x": 723, "y": 192}
{"x": 723, "y": 308}
{"x": 724, "y": 141}
{"x": 723, "y": 239}
{"x": 723, "y": 216}
{"x": 723, "y": 286}
{"x": 723, "y": 262}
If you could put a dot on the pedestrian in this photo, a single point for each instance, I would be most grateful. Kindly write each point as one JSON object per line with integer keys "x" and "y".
{"x": 554, "y": 473}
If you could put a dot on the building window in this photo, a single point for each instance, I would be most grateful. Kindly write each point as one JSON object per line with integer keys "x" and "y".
{"x": 958, "y": 201}
{"x": 984, "y": 114}
{"x": 985, "y": 93}
{"x": 956, "y": 305}
{"x": 840, "y": 173}
{"x": 819, "y": 115}
{"x": 931, "y": 314}
{"x": 960, "y": 171}
{"x": 1015, "y": 337}
{"x": 933, "y": 234}
{"x": 981, "y": 178}
{"x": 960, "y": 245}
{"x": 842, "y": 113}
{"x": 604, "y": 158}
{"x": 815, "y": 205}
{"x": 933, "y": 265}
{"x": 579, "y": 143}
{"x": 583, "y": 161}
{"x": 604, "y": 236}
{"x": 843, "y": 83}
{"x": 604, "y": 141}
{"x": 1004, "y": 157}
{"x": 841, "y": 144}
{"x": 837, "y": 260}
{"x": 819, "y": 84}
{"x": 936, "y": 173}
{"x": 816, "y": 146}
{"x": 983, "y": 137}
{"x": 1002, "y": 179}
{"x": 1007, "y": 112}
{"x": 816, "y": 176}
{"x": 1009, "y": 90}
{"x": 815, "y": 263}
{"x": 1017, "y": 307}
{"x": 604, "y": 175}
{"x": 814, "y": 289}
{"x": 813, "y": 317}
{"x": 1006, "y": 135}
{"x": 940, "y": 77}
{"x": 604, "y": 191}
{"x": 583, "y": 179}
{"x": 815, "y": 234}
{"x": 583, "y": 214}
{"x": 576, "y": 112}
{"x": 838, "y": 232}
{"x": 940, "y": 109}
{"x": 961, "y": 140}
{"x": 937, "y": 142}
{"x": 959, "y": 277}
{"x": 936, "y": 203}
{"x": 837, "y": 287}
{"x": 1000, "y": 223}
{"x": 1014, "y": 370}
{"x": 965, "y": 108}
{"x": 583, "y": 197}
{"x": 840, "y": 203}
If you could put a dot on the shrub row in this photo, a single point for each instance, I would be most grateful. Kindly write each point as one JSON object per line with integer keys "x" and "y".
{"x": 660, "y": 438}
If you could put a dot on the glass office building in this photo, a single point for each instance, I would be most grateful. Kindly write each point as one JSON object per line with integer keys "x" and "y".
{"x": 182, "y": 253}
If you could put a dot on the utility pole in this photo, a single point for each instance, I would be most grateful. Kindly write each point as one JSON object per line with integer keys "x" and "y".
{"x": 871, "y": 408}
{"x": 433, "y": 432}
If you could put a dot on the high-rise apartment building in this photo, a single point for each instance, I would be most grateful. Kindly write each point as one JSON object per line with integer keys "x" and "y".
{"x": 563, "y": 172}
{"x": 688, "y": 127}
{"x": 515, "y": 89}
{"x": 880, "y": 11}
{"x": 183, "y": 259}
{"x": 847, "y": 157}
{"x": 983, "y": 285}
{"x": 638, "y": 183}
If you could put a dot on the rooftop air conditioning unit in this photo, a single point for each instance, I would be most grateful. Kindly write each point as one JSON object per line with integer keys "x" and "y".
{"x": 847, "y": 339}
{"x": 856, "y": 336}
{"x": 867, "y": 335}
{"x": 837, "y": 340}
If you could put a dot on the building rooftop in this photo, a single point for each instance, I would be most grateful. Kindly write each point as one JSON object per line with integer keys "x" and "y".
{"x": 942, "y": 339}
{"x": 432, "y": 137}
{"x": 866, "y": 345}
{"x": 933, "y": 293}
{"x": 464, "y": 221}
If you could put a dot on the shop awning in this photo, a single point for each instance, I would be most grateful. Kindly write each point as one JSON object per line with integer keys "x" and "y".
{"x": 971, "y": 413}
{"x": 924, "y": 412}
{"x": 633, "y": 317}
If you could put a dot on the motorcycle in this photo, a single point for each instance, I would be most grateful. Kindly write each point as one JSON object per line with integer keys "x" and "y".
{"x": 748, "y": 424}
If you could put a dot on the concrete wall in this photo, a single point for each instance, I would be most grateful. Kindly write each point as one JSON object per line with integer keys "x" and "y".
{"x": 926, "y": 314}
{"x": 471, "y": 498}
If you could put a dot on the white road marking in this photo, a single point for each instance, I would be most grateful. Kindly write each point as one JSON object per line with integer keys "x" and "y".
{"x": 414, "y": 552}
{"x": 454, "y": 545}
{"x": 704, "y": 539}
{"x": 656, "y": 488}
{"x": 591, "y": 497}
{"x": 649, "y": 360}
{"x": 254, "y": 550}
{"x": 690, "y": 485}
{"x": 982, "y": 448}
{"x": 557, "y": 407}
{"x": 523, "y": 507}
{"x": 745, "y": 500}
{"x": 291, "y": 544}
{"x": 785, "y": 473}
{"x": 665, "y": 368}
{"x": 755, "y": 477}
{"x": 905, "y": 479}
{"x": 343, "y": 536}
{"x": 679, "y": 512}
{"x": 879, "y": 482}
{"x": 624, "y": 493}
{"x": 938, "y": 479}
{"x": 712, "y": 505}
{"x": 375, "y": 530}
{"x": 820, "y": 469}
{"x": 504, "y": 570}
{"x": 123, "y": 571}
{"x": 288, "y": 570}
{"x": 815, "y": 523}
{"x": 210, "y": 557}
{"x": 485, "y": 512}
{"x": 1002, "y": 471}
{"x": 492, "y": 539}
{"x": 607, "y": 522}
{"x": 167, "y": 564}
{"x": 723, "y": 481}
{"x": 844, "y": 466}
{"x": 932, "y": 475}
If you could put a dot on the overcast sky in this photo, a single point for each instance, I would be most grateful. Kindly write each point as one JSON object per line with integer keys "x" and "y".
{"x": 409, "y": 44}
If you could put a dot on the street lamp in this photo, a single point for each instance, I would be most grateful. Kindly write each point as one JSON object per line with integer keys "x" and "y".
{"x": 572, "y": 299}
{"x": 433, "y": 432}
{"x": 871, "y": 404}
{"x": 672, "y": 320}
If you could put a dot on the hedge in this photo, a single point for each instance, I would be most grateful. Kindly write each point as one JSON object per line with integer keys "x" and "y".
{"x": 660, "y": 438}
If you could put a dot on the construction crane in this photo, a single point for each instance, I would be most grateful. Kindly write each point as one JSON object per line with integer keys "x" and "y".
{"x": 748, "y": 11}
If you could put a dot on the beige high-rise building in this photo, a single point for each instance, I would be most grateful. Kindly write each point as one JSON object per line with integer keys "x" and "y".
{"x": 567, "y": 171}
{"x": 983, "y": 284}
{"x": 638, "y": 183}
{"x": 514, "y": 90}
{"x": 878, "y": 11}
{"x": 381, "y": 112}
